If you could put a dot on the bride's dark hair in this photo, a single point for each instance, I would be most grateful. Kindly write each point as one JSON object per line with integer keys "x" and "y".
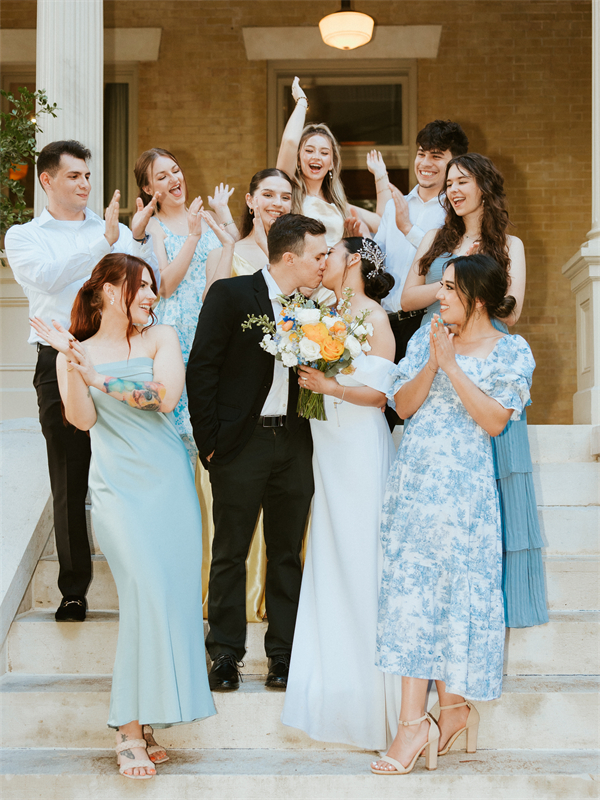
{"x": 494, "y": 222}
{"x": 378, "y": 283}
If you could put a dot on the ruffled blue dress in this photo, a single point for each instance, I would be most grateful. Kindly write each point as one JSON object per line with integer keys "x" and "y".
{"x": 441, "y": 607}
{"x": 523, "y": 582}
{"x": 181, "y": 311}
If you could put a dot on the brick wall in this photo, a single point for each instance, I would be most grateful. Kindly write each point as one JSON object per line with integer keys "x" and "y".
{"x": 515, "y": 73}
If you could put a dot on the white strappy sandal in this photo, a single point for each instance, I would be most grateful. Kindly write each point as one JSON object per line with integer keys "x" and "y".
{"x": 429, "y": 748}
{"x": 135, "y": 763}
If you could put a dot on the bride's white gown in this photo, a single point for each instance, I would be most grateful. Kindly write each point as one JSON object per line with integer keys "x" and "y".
{"x": 335, "y": 693}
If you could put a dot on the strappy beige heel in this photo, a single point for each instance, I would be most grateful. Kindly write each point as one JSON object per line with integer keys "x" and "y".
{"x": 153, "y": 746}
{"x": 472, "y": 728}
{"x": 136, "y": 763}
{"x": 429, "y": 749}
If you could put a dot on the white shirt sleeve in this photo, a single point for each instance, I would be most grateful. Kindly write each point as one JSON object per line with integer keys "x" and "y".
{"x": 33, "y": 266}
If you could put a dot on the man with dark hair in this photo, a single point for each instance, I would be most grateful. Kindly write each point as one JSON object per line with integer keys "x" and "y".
{"x": 51, "y": 257}
{"x": 406, "y": 220}
{"x": 256, "y": 448}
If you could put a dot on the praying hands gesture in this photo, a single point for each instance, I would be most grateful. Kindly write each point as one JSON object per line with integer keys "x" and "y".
{"x": 442, "y": 347}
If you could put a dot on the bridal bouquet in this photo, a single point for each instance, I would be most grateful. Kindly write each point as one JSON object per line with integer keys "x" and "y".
{"x": 316, "y": 336}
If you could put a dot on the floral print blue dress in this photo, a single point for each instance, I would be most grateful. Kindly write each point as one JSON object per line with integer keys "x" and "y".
{"x": 441, "y": 613}
{"x": 181, "y": 310}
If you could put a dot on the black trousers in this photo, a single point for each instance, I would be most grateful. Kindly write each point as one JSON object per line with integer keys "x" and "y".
{"x": 403, "y": 329}
{"x": 274, "y": 469}
{"x": 68, "y": 463}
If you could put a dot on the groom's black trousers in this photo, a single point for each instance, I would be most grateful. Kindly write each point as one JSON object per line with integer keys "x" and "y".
{"x": 274, "y": 469}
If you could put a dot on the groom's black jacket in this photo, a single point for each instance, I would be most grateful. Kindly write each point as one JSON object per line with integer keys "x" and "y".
{"x": 229, "y": 375}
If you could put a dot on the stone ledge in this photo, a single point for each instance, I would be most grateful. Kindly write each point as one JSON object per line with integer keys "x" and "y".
{"x": 27, "y": 516}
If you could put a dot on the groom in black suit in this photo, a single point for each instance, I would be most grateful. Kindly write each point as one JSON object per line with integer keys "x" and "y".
{"x": 257, "y": 450}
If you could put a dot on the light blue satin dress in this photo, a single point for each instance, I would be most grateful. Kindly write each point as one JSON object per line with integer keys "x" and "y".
{"x": 147, "y": 520}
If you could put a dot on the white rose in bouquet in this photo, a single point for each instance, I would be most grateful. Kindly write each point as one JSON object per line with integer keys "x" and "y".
{"x": 289, "y": 359}
{"x": 308, "y": 316}
{"x": 309, "y": 350}
{"x": 269, "y": 345}
{"x": 353, "y": 346}
{"x": 329, "y": 322}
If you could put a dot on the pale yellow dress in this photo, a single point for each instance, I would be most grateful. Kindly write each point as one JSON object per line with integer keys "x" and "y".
{"x": 256, "y": 563}
{"x": 329, "y": 215}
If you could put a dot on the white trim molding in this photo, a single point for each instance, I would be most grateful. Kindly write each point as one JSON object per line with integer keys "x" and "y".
{"x": 391, "y": 41}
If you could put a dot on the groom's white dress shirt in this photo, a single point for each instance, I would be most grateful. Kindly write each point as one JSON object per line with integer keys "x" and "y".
{"x": 400, "y": 250}
{"x": 277, "y": 400}
{"x": 51, "y": 259}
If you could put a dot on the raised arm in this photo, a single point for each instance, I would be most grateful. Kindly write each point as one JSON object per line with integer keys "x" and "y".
{"x": 220, "y": 205}
{"x": 518, "y": 274}
{"x": 376, "y": 166}
{"x": 411, "y": 396}
{"x": 416, "y": 294}
{"x": 287, "y": 158}
{"x": 219, "y": 261}
{"x": 173, "y": 272}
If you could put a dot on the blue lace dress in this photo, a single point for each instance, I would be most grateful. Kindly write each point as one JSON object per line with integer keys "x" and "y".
{"x": 523, "y": 583}
{"x": 181, "y": 312}
{"x": 441, "y": 609}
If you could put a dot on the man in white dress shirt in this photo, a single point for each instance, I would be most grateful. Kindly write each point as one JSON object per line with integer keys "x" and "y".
{"x": 51, "y": 257}
{"x": 406, "y": 220}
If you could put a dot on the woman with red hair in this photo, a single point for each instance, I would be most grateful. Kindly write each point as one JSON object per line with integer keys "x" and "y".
{"x": 120, "y": 378}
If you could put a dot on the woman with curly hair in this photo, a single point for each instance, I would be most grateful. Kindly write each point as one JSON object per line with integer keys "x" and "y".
{"x": 477, "y": 221}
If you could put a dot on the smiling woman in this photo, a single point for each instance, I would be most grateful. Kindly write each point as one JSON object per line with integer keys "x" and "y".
{"x": 182, "y": 237}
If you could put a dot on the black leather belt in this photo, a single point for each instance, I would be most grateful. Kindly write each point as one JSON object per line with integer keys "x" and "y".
{"x": 272, "y": 422}
{"x": 41, "y": 346}
{"x": 406, "y": 314}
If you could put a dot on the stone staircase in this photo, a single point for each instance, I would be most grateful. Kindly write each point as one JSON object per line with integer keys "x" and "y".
{"x": 539, "y": 740}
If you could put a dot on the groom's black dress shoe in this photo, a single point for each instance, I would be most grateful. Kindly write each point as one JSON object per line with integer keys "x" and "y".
{"x": 224, "y": 674}
{"x": 72, "y": 608}
{"x": 279, "y": 667}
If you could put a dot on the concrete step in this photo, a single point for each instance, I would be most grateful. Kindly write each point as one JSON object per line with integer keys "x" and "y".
{"x": 573, "y": 484}
{"x": 560, "y": 443}
{"x": 271, "y": 775}
{"x": 573, "y": 584}
{"x": 71, "y": 711}
{"x": 571, "y": 531}
{"x": 567, "y": 645}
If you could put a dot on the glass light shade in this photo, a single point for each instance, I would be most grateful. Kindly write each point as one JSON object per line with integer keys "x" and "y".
{"x": 346, "y": 30}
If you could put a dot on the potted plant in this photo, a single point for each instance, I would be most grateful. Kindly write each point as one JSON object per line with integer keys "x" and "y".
{"x": 19, "y": 126}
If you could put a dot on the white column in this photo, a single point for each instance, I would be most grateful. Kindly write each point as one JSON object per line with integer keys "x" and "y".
{"x": 69, "y": 67}
{"x": 583, "y": 270}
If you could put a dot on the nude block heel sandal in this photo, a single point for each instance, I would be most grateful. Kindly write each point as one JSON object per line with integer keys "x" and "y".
{"x": 429, "y": 749}
{"x": 135, "y": 763}
{"x": 153, "y": 746}
{"x": 472, "y": 729}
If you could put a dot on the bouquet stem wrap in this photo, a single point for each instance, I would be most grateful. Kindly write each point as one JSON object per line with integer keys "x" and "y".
{"x": 311, "y": 405}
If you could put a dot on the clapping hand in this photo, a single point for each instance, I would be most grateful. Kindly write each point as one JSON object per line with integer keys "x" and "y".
{"x": 220, "y": 230}
{"x": 57, "y": 337}
{"x": 376, "y": 164}
{"x": 260, "y": 234}
{"x": 355, "y": 226}
{"x": 220, "y": 201}
{"x": 403, "y": 222}
{"x": 443, "y": 345}
{"x": 111, "y": 219}
{"x": 142, "y": 216}
{"x": 194, "y": 217}
{"x": 473, "y": 248}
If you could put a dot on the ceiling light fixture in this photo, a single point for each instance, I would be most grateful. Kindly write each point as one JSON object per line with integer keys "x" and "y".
{"x": 346, "y": 29}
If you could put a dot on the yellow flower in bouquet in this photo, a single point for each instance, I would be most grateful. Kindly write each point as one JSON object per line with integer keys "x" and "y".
{"x": 316, "y": 333}
{"x": 332, "y": 349}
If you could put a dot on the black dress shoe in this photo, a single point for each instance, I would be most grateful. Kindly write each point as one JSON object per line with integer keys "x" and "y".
{"x": 72, "y": 608}
{"x": 224, "y": 675}
{"x": 279, "y": 667}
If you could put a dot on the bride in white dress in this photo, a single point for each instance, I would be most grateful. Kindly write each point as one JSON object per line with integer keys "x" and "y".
{"x": 335, "y": 693}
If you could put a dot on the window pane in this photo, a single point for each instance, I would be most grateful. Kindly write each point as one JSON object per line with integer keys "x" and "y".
{"x": 360, "y": 114}
{"x": 116, "y": 142}
{"x": 360, "y": 186}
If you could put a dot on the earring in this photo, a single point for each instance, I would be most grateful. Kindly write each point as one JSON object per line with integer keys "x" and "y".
{"x": 251, "y": 210}
{"x": 112, "y": 301}
{"x": 330, "y": 175}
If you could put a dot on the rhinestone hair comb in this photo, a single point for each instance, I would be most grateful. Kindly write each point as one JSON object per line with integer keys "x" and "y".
{"x": 372, "y": 252}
